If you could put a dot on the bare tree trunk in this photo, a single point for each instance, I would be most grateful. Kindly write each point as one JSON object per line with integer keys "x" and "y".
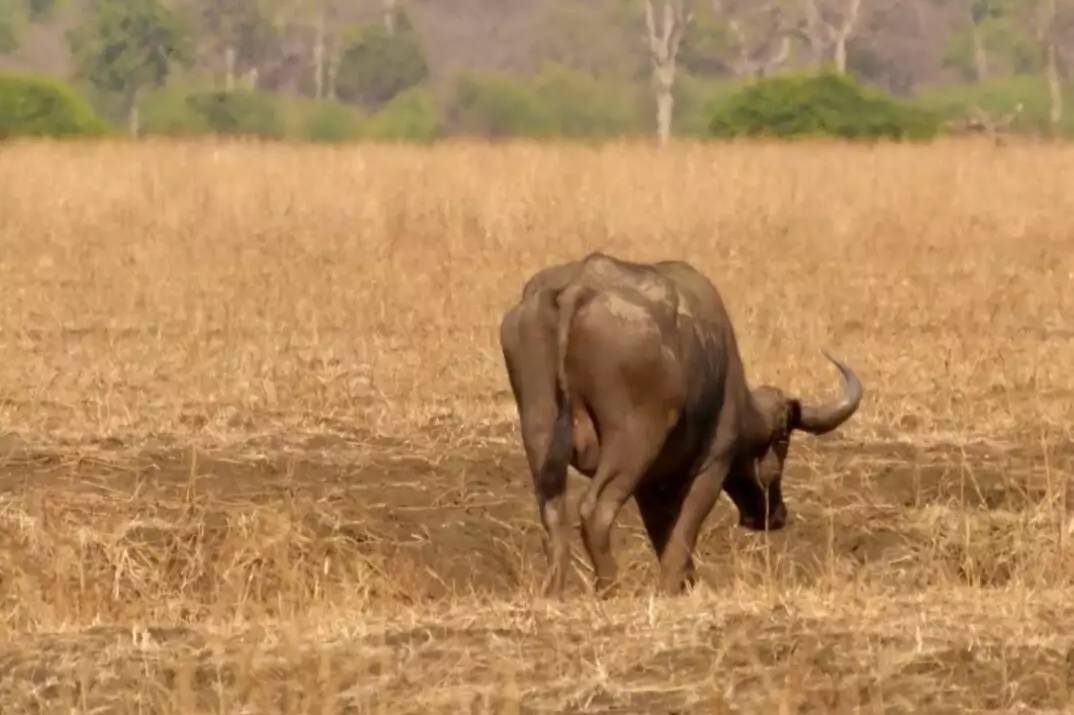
{"x": 753, "y": 54}
{"x": 665, "y": 104}
{"x": 980, "y": 53}
{"x": 743, "y": 63}
{"x": 1055, "y": 89}
{"x": 134, "y": 114}
{"x": 318, "y": 58}
{"x": 817, "y": 31}
{"x": 389, "y": 17}
{"x": 229, "y": 67}
{"x": 843, "y": 33}
{"x": 781, "y": 56}
{"x": 1047, "y": 35}
{"x": 840, "y": 55}
{"x": 663, "y": 52}
{"x": 333, "y": 71}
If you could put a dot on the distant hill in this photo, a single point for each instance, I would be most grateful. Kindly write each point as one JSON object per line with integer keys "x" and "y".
{"x": 899, "y": 44}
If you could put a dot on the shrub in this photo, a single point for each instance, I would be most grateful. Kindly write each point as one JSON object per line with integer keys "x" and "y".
{"x": 495, "y": 105}
{"x": 412, "y": 115}
{"x": 374, "y": 66}
{"x": 239, "y": 112}
{"x": 332, "y": 122}
{"x": 999, "y": 97}
{"x": 580, "y": 105}
{"x": 825, "y": 104}
{"x": 37, "y": 106}
{"x": 167, "y": 112}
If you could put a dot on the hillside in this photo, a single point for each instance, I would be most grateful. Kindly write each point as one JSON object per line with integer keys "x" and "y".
{"x": 898, "y": 44}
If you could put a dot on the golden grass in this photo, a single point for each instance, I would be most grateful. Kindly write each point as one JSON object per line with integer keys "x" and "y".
{"x": 257, "y": 448}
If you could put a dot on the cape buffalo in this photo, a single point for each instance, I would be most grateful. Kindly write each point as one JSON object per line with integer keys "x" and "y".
{"x": 631, "y": 373}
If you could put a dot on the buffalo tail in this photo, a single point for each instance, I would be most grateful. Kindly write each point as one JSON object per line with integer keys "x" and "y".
{"x": 553, "y": 476}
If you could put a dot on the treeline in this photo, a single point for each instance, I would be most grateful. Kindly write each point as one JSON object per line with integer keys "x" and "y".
{"x": 304, "y": 69}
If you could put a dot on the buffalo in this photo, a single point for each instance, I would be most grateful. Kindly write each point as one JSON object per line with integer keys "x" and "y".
{"x": 630, "y": 372}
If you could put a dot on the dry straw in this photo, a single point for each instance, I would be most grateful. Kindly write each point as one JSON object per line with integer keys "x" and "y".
{"x": 259, "y": 453}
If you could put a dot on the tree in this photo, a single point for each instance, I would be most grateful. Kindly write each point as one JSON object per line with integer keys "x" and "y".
{"x": 40, "y": 10}
{"x": 1054, "y": 22}
{"x": 240, "y": 35}
{"x": 375, "y": 66}
{"x": 980, "y": 12}
{"x": 997, "y": 39}
{"x": 308, "y": 17}
{"x": 830, "y": 24}
{"x": 127, "y": 46}
{"x": 759, "y": 33}
{"x": 663, "y": 40}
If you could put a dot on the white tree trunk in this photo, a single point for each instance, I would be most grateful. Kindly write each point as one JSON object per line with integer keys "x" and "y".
{"x": 1055, "y": 89}
{"x": 318, "y": 58}
{"x": 663, "y": 51}
{"x": 840, "y": 54}
{"x": 665, "y": 104}
{"x": 229, "y": 68}
{"x": 333, "y": 72}
{"x": 389, "y": 17}
{"x": 980, "y": 54}
{"x": 843, "y": 33}
{"x": 817, "y": 31}
{"x": 779, "y": 57}
{"x": 134, "y": 114}
{"x": 749, "y": 60}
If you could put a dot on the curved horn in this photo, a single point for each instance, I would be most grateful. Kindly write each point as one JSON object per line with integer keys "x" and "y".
{"x": 825, "y": 418}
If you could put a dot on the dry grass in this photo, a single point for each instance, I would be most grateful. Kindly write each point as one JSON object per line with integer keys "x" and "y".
{"x": 257, "y": 452}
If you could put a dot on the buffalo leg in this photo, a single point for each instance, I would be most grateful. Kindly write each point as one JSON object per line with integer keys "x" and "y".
{"x": 658, "y": 509}
{"x": 676, "y": 564}
{"x": 554, "y": 518}
{"x": 624, "y": 462}
{"x": 528, "y": 337}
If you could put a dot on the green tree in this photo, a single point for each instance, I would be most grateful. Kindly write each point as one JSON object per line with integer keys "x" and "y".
{"x": 994, "y": 41}
{"x": 239, "y": 35}
{"x": 825, "y": 104}
{"x": 376, "y": 65}
{"x": 41, "y": 10}
{"x": 126, "y": 47}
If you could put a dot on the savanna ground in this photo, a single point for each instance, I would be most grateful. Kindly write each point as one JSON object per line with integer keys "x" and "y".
{"x": 258, "y": 453}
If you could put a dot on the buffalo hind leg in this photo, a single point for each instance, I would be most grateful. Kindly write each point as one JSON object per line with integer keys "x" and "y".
{"x": 624, "y": 461}
{"x": 552, "y": 506}
{"x": 676, "y": 563}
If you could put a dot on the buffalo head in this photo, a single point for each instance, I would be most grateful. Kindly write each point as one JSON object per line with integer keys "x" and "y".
{"x": 754, "y": 482}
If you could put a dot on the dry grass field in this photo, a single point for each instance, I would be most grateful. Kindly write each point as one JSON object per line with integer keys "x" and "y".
{"x": 258, "y": 452}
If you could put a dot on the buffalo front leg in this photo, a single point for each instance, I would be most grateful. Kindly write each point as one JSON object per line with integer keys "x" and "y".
{"x": 659, "y": 507}
{"x": 676, "y": 563}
